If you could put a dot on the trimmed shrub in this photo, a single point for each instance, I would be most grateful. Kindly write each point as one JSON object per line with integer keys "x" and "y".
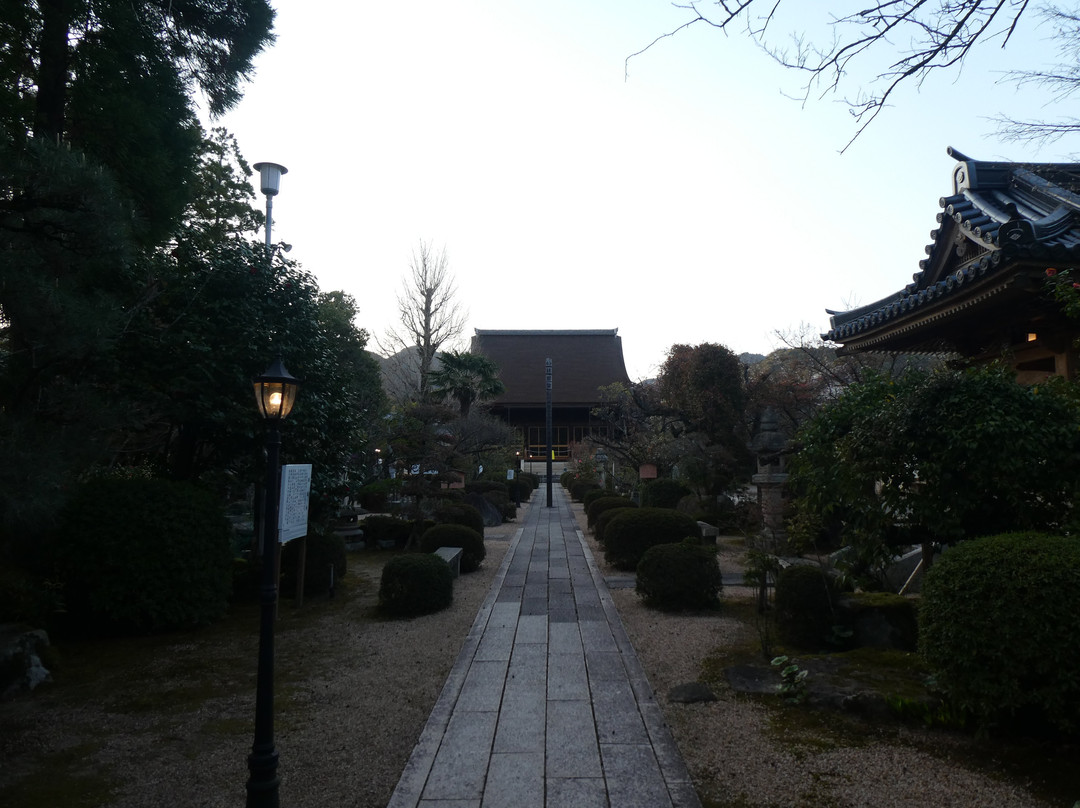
{"x": 593, "y": 495}
{"x": 324, "y": 550}
{"x": 602, "y": 522}
{"x": 566, "y": 478}
{"x": 663, "y": 493}
{"x": 139, "y": 555}
{"x": 606, "y": 503}
{"x": 459, "y": 513}
{"x": 632, "y": 531}
{"x": 375, "y": 496}
{"x": 579, "y": 488}
{"x": 415, "y": 584}
{"x": 999, "y": 626}
{"x": 531, "y": 479}
{"x": 805, "y": 601}
{"x": 470, "y": 542}
{"x": 24, "y": 597}
{"x": 677, "y": 577}
{"x": 379, "y": 528}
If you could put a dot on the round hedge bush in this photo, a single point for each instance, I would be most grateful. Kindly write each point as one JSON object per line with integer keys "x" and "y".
{"x": 415, "y": 584}
{"x": 606, "y": 503}
{"x": 470, "y": 542}
{"x": 580, "y": 488}
{"x": 632, "y": 531}
{"x": 677, "y": 577}
{"x": 999, "y": 626}
{"x": 459, "y": 513}
{"x": 663, "y": 493}
{"x": 805, "y": 600}
{"x": 143, "y": 555}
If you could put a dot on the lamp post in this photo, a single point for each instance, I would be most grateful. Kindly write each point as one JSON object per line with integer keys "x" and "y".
{"x": 270, "y": 184}
{"x": 275, "y": 392}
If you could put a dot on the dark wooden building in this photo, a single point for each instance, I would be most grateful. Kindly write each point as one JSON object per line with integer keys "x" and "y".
{"x": 981, "y": 292}
{"x": 581, "y": 362}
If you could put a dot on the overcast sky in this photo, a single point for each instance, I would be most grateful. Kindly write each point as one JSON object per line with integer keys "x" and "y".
{"x": 687, "y": 200}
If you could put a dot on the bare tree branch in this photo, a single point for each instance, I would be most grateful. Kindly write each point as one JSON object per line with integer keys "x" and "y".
{"x": 926, "y": 36}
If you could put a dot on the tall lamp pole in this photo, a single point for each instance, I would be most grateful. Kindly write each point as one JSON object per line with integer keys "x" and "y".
{"x": 270, "y": 184}
{"x": 275, "y": 392}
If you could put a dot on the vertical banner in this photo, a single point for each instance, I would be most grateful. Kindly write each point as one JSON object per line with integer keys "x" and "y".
{"x": 295, "y": 491}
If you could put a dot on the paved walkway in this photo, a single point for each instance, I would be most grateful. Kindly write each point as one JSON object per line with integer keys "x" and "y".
{"x": 547, "y": 705}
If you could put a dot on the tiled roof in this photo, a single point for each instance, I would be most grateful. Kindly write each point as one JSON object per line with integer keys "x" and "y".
{"x": 1000, "y": 217}
{"x": 581, "y": 362}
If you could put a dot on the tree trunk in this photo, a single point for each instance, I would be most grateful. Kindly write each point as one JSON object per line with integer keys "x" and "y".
{"x": 49, "y": 113}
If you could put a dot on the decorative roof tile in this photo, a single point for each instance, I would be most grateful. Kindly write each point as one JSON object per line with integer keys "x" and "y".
{"x": 998, "y": 216}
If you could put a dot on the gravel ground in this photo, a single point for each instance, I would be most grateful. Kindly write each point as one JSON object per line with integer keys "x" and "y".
{"x": 168, "y": 721}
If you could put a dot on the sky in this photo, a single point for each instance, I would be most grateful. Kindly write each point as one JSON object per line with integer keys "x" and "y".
{"x": 683, "y": 198}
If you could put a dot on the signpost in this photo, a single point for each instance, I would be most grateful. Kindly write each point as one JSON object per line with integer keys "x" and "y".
{"x": 547, "y": 420}
{"x": 293, "y": 516}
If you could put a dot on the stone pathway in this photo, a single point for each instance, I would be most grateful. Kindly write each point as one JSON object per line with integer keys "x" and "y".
{"x": 547, "y": 704}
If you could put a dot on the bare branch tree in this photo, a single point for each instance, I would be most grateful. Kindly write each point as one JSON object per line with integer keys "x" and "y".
{"x": 924, "y": 36}
{"x": 430, "y": 317}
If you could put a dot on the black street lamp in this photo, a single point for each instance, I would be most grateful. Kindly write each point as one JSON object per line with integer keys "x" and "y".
{"x": 275, "y": 392}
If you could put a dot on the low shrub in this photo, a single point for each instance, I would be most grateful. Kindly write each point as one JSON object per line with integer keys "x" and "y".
{"x": 324, "y": 551}
{"x": 999, "y": 627}
{"x": 415, "y": 584}
{"x": 25, "y": 597}
{"x": 663, "y": 493}
{"x": 376, "y": 496}
{"x": 805, "y": 606}
{"x": 142, "y": 555}
{"x": 602, "y": 522}
{"x": 459, "y": 513}
{"x": 381, "y": 528}
{"x": 470, "y": 542}
{"x": 593, "y": 495}
{"x": 527, "y": 477}
{"x": 566, "y": 478}
{"x": 579, "y": 488}
{"x": 606, "y": 503}
{"x": 632, "y": 531}
{"x": 676, "y": 577}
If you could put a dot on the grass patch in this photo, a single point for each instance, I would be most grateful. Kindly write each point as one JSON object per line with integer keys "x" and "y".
{"x": 62, "y": 778}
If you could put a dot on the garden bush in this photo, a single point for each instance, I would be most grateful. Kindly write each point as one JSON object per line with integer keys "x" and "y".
{"x": 375, "y": 496}
{"x": 566, "y": 479}
{"x": 663, "y": 494}
{"x": 470, "y": 542}
{"x": 459, "y": 513}
{"x": 805, "y": 606}
{"x": 533, "y": 480}
{"x": 593, "y": 495}
{"x": 632, "y": 531}
{"x": 579, "y": 488}
{"x": 379, "y": 527}
{"x": 675, "y": 577}
{"x": 999, "y": 626}
{"x": 415, "y": 584}
{"x": 602, "y": 522}
{"x": 606, "y": 503}
{"x": 139, "y": 555}
{"x": 324, "y": 550}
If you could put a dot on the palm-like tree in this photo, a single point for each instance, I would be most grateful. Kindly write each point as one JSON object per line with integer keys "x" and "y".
{"x": 466, "y": 378}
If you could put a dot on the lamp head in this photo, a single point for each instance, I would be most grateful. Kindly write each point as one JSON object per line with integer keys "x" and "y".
{"x": 275, "y": 391}
{"x": 270, "y": 177}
